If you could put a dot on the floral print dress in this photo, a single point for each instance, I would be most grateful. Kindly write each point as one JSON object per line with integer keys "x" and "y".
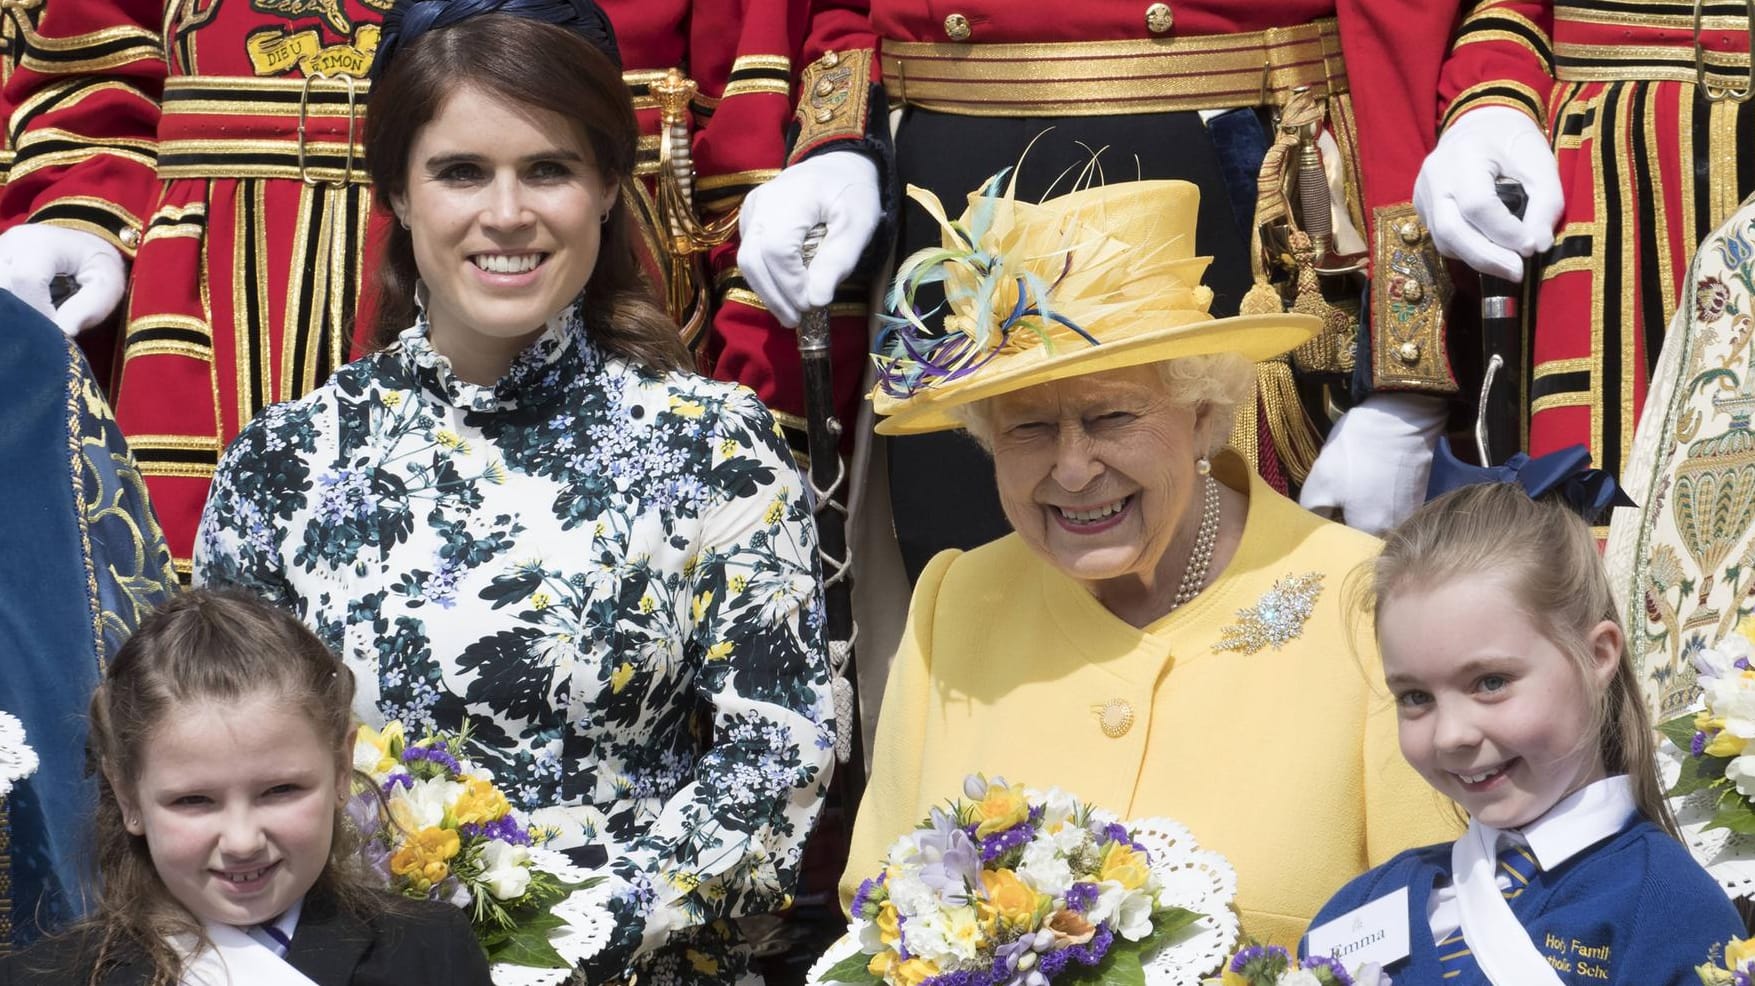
{"x": 608, "y": 574}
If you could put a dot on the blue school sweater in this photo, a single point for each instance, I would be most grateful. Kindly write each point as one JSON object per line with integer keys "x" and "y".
{"x": 1635, "y": 909}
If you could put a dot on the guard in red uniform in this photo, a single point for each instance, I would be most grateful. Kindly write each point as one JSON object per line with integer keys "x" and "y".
{"x": 1152, "y": 90}
{"x": 215, "y": 147}
{"x": 1633, "y": 132}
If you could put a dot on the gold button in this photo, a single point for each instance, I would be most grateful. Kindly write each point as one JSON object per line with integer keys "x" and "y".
{"x": 1412, "y": 292}
{"x": 1159, "y": 18}
{"x": 1408, "y": 352}
{"x": 830, "y": 59}
{"x": 1115, "y": 717}
{"x": 1411, "y": 233}
{"x": 825, "y": 87}
{"x": 130, "y": 237}
{"x": 957, "y": 27}
{"x": 825, "y": 114}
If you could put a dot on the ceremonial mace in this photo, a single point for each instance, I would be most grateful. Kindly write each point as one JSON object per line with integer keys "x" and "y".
{"x": 1499, "y": 416}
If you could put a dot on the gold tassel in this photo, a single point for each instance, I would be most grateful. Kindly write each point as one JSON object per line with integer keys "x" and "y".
{"x": 1294, "y": 434}
{"x": 1245, "y": 434}
{"x": 1262, "y": 299}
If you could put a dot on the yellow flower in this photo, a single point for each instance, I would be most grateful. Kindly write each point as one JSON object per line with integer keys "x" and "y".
{"x": 702, "y": 601}
{"x": 719, "y": 651}
{"x": 1739, "y": 951}
{"x": 423, "y": 859}
{"x": 776, "y": 510}
{"x": 684, "y": 881}
{"x": 1009, "y": 899}
{"x": 481, "y": 802}
{"x": 880, "y": 963}
{"x": 540, "y": 601}
{"x": 728, "y": 448}
{"x": 914, "y": 972}
{"x": 686, "y": 408}
{"x": 739, "y": 583}
{"x": 1229, "y": 978}
{"x": 495, "y": 473}
{"x": 1746, "y": 627}
{"x": 704, "y": 964}
{"x": 962, "y": 928}
{"x": 648, "y": 604}
{"x": 387, "y": 744}
{"x": 889, "y": 924}
{"x": 1002, "y": 808}
{"x": 618, "y": 679}
{"x": 451, "y": 440}
{"x": 1124, "y": 865}
{"x": 1724, "y": 745}
{"x": 391, "y": 399}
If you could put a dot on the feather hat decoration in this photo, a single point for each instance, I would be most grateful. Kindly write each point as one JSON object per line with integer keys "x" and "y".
{"x": 1097, "y": 279}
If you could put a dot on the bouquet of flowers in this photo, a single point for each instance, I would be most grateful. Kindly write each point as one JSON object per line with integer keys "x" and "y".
{"x": 1271, "y": 965}
{"x": 436, "y": 827}
{"x": 1738, "y": 968}
{"x": 1717, "y": 739}
{"x": 1016, "y": 887}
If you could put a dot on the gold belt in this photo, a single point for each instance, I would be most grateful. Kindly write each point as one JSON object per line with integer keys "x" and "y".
{"x": 1670, "y": 48}
{"x": 221, "y": 127}
{"x": 1106, "y": 78}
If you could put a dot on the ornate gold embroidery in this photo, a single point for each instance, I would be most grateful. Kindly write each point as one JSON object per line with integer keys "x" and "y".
{"x": 1409, "y": 289}
{"x": 833, "y": 94}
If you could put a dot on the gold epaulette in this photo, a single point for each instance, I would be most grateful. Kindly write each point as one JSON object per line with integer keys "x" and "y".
{"x": 834, "y": 99}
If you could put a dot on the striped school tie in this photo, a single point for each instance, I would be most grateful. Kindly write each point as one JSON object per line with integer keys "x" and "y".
{"x": 280, "y": 942}
{"x": 1516, "y": 867}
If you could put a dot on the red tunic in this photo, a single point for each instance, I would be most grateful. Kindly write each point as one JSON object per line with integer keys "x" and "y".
{"x": 1649, "y": 165}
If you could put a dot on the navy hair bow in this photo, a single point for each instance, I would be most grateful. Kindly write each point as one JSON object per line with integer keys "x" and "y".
{"x": 1567, "y": 472}
{"x": 409, "y": 19}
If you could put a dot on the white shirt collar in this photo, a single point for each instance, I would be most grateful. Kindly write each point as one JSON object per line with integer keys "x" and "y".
{"x": 1580, "y": 820}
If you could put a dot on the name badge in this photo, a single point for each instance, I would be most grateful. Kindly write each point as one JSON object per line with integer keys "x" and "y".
{"x": 1376, "y": 932}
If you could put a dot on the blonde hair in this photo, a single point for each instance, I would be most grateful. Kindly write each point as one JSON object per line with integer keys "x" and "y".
{"x": 1546, "y": 558}
{"x": 1218, "y": 381}
{"x": 200, "y": 646}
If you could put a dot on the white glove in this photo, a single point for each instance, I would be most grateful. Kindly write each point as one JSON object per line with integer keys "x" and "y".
{"x": 1372, "y": 471}
{"x": 1455, "y": 198}
{"x": 32, "y": 254}
{"x": 838, "y": 189}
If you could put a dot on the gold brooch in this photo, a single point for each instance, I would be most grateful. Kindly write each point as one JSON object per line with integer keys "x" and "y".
{"x": 1277, "y": 618}
{"x": 1115, "y": 716}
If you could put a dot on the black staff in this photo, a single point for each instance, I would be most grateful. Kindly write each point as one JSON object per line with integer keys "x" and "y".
{"x": 1499, "y": 417}
{"x": 828, "y": 478}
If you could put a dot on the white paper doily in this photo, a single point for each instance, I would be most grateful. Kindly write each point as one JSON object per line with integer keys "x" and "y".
{"x": 587, "y": 930}
{"x": 1727, "y": 855}
{"x": 1195, "y": 878}
{"x": 17, "y": 759}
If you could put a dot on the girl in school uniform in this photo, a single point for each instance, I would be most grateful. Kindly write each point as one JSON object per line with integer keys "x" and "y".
{"x": 224, "y": 737}
{"x": 1517, "y": 700}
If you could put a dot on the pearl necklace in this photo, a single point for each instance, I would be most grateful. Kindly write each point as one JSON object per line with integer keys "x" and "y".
{"x": 1194, "y": 576}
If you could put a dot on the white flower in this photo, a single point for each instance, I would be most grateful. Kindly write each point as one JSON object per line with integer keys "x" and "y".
{"x": 505, "y": 869}
{"x": 1302, "y": 977}
{"x": 925, "y": 937}
{"x": 911, "y": 895}
{"x": 1734, "y": 647}
{"x": 1129, "y": 912}
{"x": 1741, "y": 772}
{"x": 1045, "y": 868}
{"x": 423, "y": 805}
{"x": 1733, "y": 698}
{"x": 1058, "y": 809}
{"x": 1371, "y": 974}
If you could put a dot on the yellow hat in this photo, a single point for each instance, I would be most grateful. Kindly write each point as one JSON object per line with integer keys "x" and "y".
{"x": 1098, "y": 279}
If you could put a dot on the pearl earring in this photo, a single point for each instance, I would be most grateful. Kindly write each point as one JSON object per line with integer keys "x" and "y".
{"x": 1203, "y": 466}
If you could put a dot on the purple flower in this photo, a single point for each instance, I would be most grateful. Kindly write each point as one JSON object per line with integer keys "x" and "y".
{"x": 1697, "y": 745}
{"x": 864, "y": 893}
{"x": 1339, "y": 971}
{"x": 1257, "y": 952}
{"x": 1090, "y": 953}
{"x": 950, "y": 865}
{"x": 1081, "y": 897}
{"x": 431, "y": 754}
{"x": 395, "y": 781}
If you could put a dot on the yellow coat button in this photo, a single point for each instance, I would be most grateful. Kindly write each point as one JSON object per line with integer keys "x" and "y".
{"x": 130, "y": 237}
{"x": 1159, "y": 18}
{"x": 1409, "y": 353}
{"x": 1114, "y": 716}
{"x": 957, "y": 27}
{"x": 1411, "y": 233}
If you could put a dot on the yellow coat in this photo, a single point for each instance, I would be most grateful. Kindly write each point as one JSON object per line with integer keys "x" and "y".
{"x": 1285, "y": 760}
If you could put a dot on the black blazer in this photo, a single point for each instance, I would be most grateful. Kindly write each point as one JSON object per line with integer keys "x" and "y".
{"x": 408, "y": 943}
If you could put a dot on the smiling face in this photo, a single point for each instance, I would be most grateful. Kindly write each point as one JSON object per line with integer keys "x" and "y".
{"x": 1097, "y": 473}
{"x": 237, "y": 803}
{"x": 505, "y": 208}
{"x": 1492, "y": 713}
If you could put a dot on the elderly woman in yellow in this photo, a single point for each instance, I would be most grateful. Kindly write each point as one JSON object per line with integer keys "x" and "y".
{"x": 1163, "y": 634}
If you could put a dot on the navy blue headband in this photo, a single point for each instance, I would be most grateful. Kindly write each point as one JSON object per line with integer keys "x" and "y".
{"x": 409, "y": 19}
{"x": 1589, "y": 492}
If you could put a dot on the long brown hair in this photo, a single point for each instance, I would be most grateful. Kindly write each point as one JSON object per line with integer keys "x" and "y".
{"x": 200, "y": 646}
{"x": 1546, "y": 558}
{"x": 532, "y": 65}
